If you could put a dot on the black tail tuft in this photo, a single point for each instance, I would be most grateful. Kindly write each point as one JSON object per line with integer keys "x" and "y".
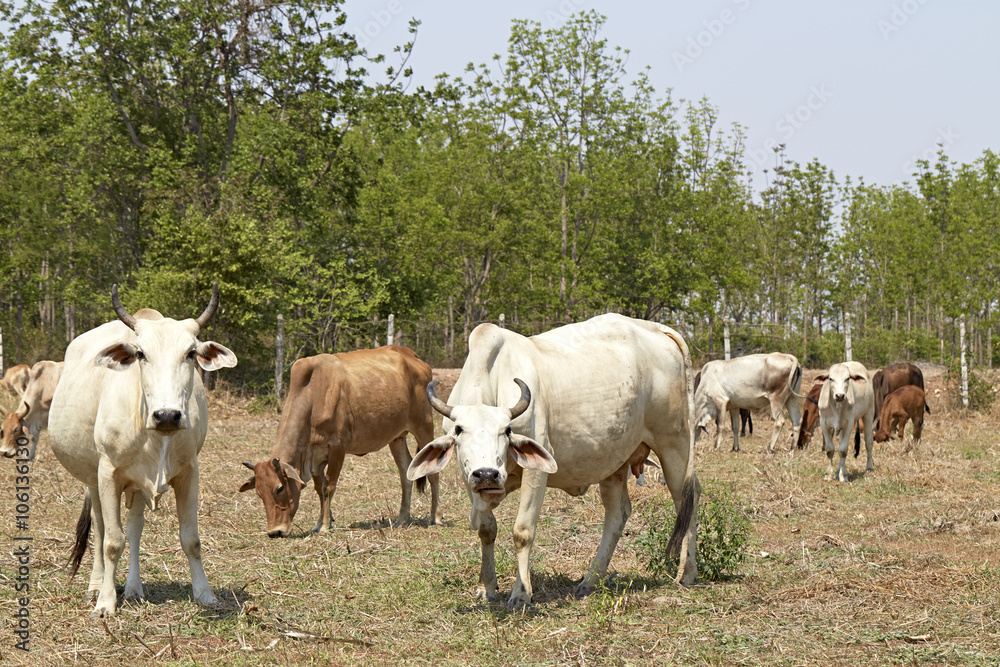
{"x": 685, "y": 515}
{"x": 857, "y": 441}
{"x": 82, "y": 537}
{"x": 422, "y": 485}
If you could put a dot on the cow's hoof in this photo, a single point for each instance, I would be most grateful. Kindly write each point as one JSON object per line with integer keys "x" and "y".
{"x": 518, "y": 604}
{"x": 91, "y": 595}
{"x": 134, "y": 593}
{"x": 401, "y": 522}
{"x": 583, "y": 590}
{"x": 102, "y": 612}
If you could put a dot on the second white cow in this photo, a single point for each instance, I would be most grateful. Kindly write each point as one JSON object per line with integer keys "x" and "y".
{"x": 751, "y": 382}
{"x": 846, "y": 397}
{"x": 606, "y": 392}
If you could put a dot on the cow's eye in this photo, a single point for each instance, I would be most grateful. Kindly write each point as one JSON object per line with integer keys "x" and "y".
{"x": 281, "y": 487}
{"x": 458, "y": 430}
{"x": 140, "y": 355}
{"x": 192, "y": 353}
{"x": 507, "y": 432}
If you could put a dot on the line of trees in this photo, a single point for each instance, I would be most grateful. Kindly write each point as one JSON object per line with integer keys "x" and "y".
{"x": 172, "y": 144}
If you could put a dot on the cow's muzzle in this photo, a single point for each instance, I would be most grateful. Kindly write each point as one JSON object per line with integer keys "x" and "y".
{"x": 167, "y": 420}
{"x": 838, "y": 397}
{"x": 277, "y": 532}
{"x": 486, "y": 482}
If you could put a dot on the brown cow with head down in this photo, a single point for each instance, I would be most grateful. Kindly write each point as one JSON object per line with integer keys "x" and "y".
{"x": 891, "y": 378}
{"x": 22, "y": 426}
{"x": 339, "y": 404}
{"x": 810, "y": 415}
{"x": 907, "y": 402}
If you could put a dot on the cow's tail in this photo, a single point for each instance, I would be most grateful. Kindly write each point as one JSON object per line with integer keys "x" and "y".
{"x": 82, "y": 536}
{"x": 687, "y": 510}
{"x": 421, "y": 484}
{"x": 927, "y": 407}
{"x": 857, "y": 440}
{"x": 795, "y": 381}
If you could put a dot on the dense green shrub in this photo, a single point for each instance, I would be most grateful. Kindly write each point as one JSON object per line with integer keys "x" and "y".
{"x": 723, "y": 535}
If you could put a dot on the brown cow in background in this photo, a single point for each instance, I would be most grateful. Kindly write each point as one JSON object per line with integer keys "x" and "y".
{"x": 891, "y": 378}
{"x": 810, "y": 415}
{"x": 907, "y": 402}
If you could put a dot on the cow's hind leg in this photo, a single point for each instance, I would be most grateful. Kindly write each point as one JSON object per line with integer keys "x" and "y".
{"x": 97, "y": 530}
{"x": 186, "y": 491}
{"x": 673, "y": 464}
{"x": 532, "y": 495}
{"x": 734, "y": 420}
{"x": 134, "y": 522}
{"x": 401, "y": 455}
{"x": 778, "y": 415}
{"x": 617, "y": 509}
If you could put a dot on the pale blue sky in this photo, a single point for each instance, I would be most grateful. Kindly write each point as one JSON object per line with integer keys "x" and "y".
{"x": 865, "y": 86}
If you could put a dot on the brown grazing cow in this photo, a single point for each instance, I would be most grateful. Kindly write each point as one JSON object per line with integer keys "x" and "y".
{"x": 338, "y": 404}
{"x": 810, "y": 415}
{"x": 22, "y": 426}
{"x": 891, "y": 378}
{"x": 907, "y": 402}
{"x": 15, "y": 379}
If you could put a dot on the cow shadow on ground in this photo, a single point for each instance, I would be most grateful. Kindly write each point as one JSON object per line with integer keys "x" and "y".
{"x": 231, "y": 601}
{"x": 385, "y": 523}
{"x": 555, "y": 590}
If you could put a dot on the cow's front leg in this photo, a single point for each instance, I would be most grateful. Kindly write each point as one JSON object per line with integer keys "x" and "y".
{"x": 868, "y": 425}
{"x": 778, "y": 415}
{"x": 532, "y": 496}
{"x": 134, "y": 522}
{"x": 186, "y": 490}
{"x": 845, "y": 441}
{"x": 401, "y": 455}
{"x": 830, "y": 451}
{"x": 486, "y": 524}
{"x": 114, "y": 538}
{"x": 617, "y": 508}
{"x": 334, "y": 465}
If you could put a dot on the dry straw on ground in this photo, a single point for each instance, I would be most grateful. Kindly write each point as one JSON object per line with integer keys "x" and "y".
{"x": 898, "y": 566}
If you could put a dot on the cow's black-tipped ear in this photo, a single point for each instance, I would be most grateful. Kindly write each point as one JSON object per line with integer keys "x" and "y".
{"x": 249, "y": 484}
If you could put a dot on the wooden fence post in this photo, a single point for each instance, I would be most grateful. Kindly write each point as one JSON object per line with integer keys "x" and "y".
{"x": 503, "y": 321}
{"x": 390, "y": 333}
{"x": 279, "y": 355}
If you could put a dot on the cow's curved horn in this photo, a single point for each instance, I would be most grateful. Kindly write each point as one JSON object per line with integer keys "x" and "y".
{"x": 120, "y": 311}
{"x": 436, "y": 402}
{"x": 210, "y": 309}
{"x": 276, "y": 464}
{"x": 248, "y": 465}
{"x": 522, "y": 404}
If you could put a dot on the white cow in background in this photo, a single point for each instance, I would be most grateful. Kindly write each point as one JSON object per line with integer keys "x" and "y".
{"x": 129, "y": 417}
{"x": 751, "y": 382}
{"x": 846, "y": 397}
{"x": 606, "y": 392}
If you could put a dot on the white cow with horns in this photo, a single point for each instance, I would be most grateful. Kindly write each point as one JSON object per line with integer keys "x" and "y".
{"x": 129, "y": 417}
{"x": 607, "y": 392}
{"x": 847, "y": 396}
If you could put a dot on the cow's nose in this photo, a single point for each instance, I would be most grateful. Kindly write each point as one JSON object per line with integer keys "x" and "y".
{"x": 277, "y": 532}
{"x": 485, "y": 477}
{"x": 839, "y": 397}
{"x": 167, "y": 417}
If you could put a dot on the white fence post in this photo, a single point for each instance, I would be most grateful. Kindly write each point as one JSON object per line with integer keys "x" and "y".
{"x": 847, "y": 337}
{"x": 503, "y": 321}
{"x": 1, "y": 351}
{"x": 965, "y": 366}
{"x": 390, "y": 333}
{"x": 725, "y": 337}
{"x": 279, "y": 355}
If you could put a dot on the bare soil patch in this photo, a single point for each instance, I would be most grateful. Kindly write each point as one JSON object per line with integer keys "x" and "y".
{"x": 897, "y": 566}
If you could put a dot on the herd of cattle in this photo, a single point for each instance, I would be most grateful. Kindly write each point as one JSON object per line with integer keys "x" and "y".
{"x": 590, "y": 402}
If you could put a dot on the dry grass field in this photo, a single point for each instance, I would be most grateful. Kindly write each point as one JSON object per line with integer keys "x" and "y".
{"x": 898, "y": 566}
